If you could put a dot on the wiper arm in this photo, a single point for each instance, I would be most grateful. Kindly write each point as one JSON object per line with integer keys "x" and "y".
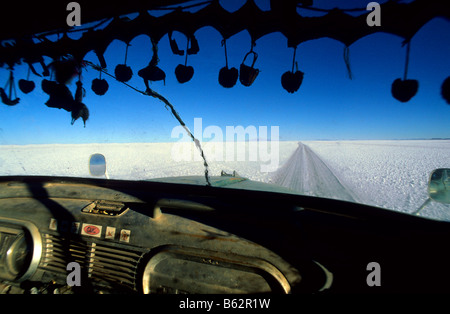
{"x": 150, "y": 92}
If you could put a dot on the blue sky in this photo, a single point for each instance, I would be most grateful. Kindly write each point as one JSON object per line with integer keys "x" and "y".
{"x": 328, "y": 105}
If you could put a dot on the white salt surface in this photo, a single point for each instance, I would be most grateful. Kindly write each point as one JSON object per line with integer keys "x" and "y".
{"x": 388, "y": 174}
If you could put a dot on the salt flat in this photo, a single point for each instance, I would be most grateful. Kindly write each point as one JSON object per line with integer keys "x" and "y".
{"x": 389, "y": 174}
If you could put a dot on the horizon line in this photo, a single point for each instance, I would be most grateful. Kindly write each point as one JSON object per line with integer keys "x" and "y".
{"x": 246, "y": 141}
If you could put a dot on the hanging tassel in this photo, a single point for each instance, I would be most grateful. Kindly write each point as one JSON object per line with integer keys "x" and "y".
{"x": 248, "y": 74}
{"x": 79, "y": 109}
{"x": 347, "y": 62}
{"x": 152, "y": 72}
{"x": 227, "y": 77}
{"x": 99, "y": 86}
{"x": 291, "y": 80}
{"x": 80, "y": 92}
{"x": 7, "y": 99}
{"x": 404, "y": 90}
{"x": 123, "y": 72}
{"x": 184, "y": 72}
{"x": 26, "y": 86}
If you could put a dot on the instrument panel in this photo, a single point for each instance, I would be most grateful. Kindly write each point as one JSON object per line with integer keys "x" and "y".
{"x": 126, "y": 245}
{"x": 75, "y": 235}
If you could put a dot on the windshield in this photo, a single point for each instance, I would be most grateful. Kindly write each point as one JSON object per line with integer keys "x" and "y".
{"x": 365, "y": 123}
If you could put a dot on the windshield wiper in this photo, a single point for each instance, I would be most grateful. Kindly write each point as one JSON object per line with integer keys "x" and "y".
{"x": 150, "y": 92}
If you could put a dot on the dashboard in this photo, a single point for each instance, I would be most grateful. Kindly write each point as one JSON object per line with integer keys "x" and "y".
{"x": 74, "y": 235}
{"x": 124, "y": 244}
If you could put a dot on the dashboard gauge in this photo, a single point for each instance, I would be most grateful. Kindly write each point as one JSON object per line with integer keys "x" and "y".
{"x": 20, "y": 249}
{"x": 191, "y": 270}
{"x": 18, "y": 256}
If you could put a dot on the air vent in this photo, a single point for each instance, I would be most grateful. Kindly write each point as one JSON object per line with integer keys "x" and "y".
{"x": 105, "y": 265}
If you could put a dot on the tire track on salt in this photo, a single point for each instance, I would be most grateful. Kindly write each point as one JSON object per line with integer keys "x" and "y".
{"x": 305, "y": 172}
